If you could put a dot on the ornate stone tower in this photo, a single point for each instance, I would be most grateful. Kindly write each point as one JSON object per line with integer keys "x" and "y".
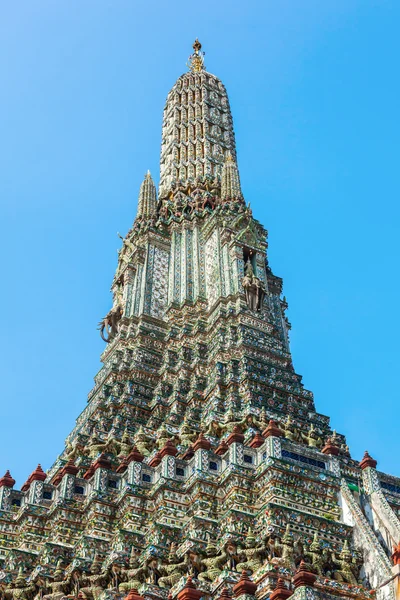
{"x": 199, "y": 467}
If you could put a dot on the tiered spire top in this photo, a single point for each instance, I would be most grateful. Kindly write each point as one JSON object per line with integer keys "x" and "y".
{"x": 197, "y": 132}
{"x": 147, "y": 204}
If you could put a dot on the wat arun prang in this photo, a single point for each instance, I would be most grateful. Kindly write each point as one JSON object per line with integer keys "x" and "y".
{"x": 199, "y": 467}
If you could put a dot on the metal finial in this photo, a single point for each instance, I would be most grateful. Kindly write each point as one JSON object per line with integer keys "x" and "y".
{"x": 196, "y": 60}
{"x": 196, "y": 46}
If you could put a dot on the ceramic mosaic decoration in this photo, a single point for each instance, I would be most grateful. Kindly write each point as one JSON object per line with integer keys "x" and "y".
{"x": 199, "y": 467}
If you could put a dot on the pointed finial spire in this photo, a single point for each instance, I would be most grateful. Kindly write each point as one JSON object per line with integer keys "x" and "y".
{"x": 147, "y": 204}
{"x": 196, "y": 60}
{"x": 230, "y": 182}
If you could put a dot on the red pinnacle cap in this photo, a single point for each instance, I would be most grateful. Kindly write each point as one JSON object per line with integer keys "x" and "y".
{"x": 7, "y": 480}
{"x": 330, "y": 448}
{"x": 155, "y": 460}
{"x": 244, "y": 586}
{"x": 225, "y": 595}
{"x": 134, "y": 595}
{"x": 102, "y": 462}
{"x": 281, "y": 592}
{"x": 257, "y": 441}
{"x": 368, "y": 461}
{"x": 303, "y": 576}
{"x": 201, "y": 442}
{"x": 169, "y": 449}
{"x": 189, "y": 592}
{"x": 37, "y": 475}
{"x": 236, "y": 436}
{"x": 272, "y": 430}
{"x": 135, "y": 455}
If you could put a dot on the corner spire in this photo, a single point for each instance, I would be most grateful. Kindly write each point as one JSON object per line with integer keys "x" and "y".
{"x": 196, "y": 60}
{"x": 147, "y": 204}
{"x": 230, "y": 182}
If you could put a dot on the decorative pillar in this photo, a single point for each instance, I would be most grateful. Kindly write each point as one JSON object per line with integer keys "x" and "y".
{"x": 135, "y": 473}
{"x": 6, "y": 484}
{"x": 68, "y": 474}
{"x": 369, "y": 474}
{"x": 101, "y": 467}
{"x": 237, "y": 263}
{"x": 133, "y": 462}
{"x": 235, "y": 442}
{"x": 201, "y": 449}
{"x": 272, "y": 434}
{"x": 34, "y": 486}
{"x": 137, "y": 287}
{"x": 227, "y": 270}
{"x": 129, "y": 279}
{"x": 168, "y": 462}
{"x": 332, "y": 451}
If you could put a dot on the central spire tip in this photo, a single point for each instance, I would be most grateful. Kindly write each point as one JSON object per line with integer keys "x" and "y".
{"x": 196, "y": 60}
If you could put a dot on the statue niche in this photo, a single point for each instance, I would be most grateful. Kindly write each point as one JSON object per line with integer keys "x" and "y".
{"x": 253, "y": 288}
{"x": 110, "y": 324}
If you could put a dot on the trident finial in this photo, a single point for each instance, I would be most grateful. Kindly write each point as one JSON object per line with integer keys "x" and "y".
{"x": 196, "y": 60}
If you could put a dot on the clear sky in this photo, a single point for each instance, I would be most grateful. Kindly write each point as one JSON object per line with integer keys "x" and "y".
{"x": 314, "y": 90}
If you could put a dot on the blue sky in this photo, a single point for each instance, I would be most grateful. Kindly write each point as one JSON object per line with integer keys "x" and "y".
{"x": 314, "y": 91}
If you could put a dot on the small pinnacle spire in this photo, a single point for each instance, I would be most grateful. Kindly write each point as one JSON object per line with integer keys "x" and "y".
{"x": 7, "y": 480}
{"x": 196, "y": 60}
{"x": 230, "y": 182}
{"x": 147, "y": 205}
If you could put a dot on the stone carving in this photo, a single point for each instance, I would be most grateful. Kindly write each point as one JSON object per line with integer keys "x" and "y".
{"x": 255, "y": 553}
{"x": 349, "y": 565}
{"x": 319, "y": 557}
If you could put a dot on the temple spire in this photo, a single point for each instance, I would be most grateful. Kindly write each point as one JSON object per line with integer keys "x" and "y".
{"x": 230, "y": 182}
{"x": 147, "y": 204}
